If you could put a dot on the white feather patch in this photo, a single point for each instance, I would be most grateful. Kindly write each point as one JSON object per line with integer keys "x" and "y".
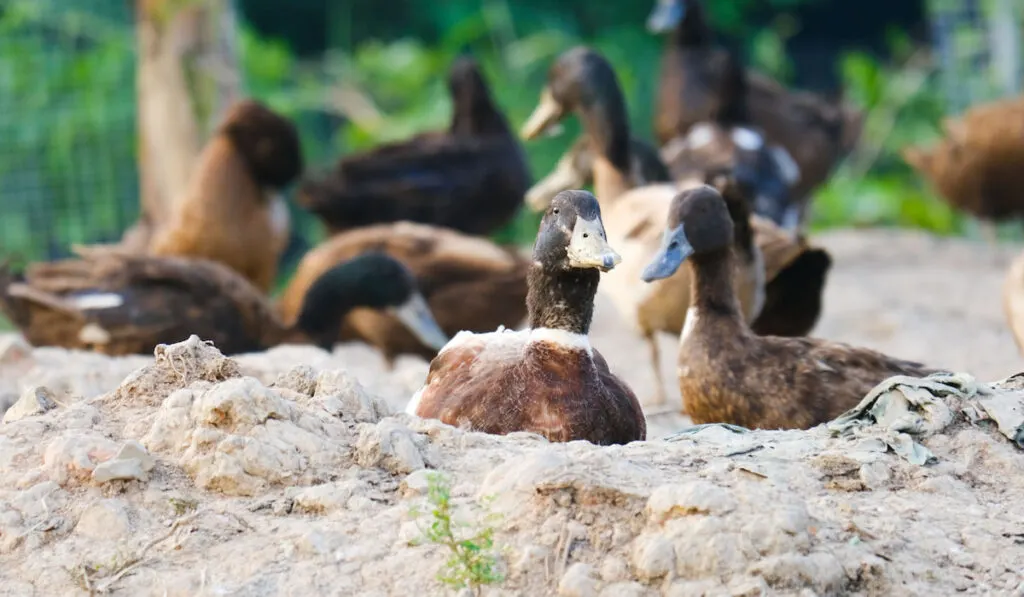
{"x": 745, "y": 138}
{"x": 562, "y": 338}
{"x": 97, "y": 300}
{"x": 93, "y": 334}
{"x": 700, "y": 135}
{"x": 788, "y": 167}
{"x": 691, "y": 323}
{"x": 414, "y": 402}
{"x": 280, "y": 218}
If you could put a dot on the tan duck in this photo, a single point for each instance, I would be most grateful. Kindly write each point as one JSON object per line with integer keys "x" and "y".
{"x": 728, "y": 374}
{"x": 231, "y": 211}
{"x": 118, "y": 302}
{"x": 470, "y": 177}
{"x": 546, "y": 379}
{"x": 977, "y": 166}
{"x": 815, "y": 131}
{"x": 469, "y": 283}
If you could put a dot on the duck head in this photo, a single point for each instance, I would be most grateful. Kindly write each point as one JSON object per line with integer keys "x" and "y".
{"x": 698, "y": 223}
{"x": 666, "y": 15}
{"x": 372, "y": 280}
{"x": 473, "y": 109}
{"x": 572, "y": 235}
{"x": 580, "y": 80}
{"x": 267, "y": 141}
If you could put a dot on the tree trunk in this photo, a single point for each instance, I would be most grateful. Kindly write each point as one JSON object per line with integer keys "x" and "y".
{"x": 187, "y": 76}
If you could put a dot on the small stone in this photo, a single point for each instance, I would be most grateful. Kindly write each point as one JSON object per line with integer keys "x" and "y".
{"x": 653, "y": 557}
{"x": 343, "y": 396}
{"x": 116, "y": 469}
{"x": 80, "y": 416}
{"x": 326, "y": 498}
{"x": 105, "y": 519}
{"x": 578, "y": 581}
{"x": 74, "y": 456}
{"x": 695, "y": 588}
{"x": 33, "y": 401}
{"x": 531, "y": 558}
{"x": 614, "y": 569}
{"x": 698, "y": 497}
{"x": 875, "y": 475}
{"x": 390, "y": 445}
{"x": 301, "y": 379}
{"x": 626, "y": 589}
{"x": 132, "y": 449}
{"x": 315, "y": 543}
{"x": 416, "y": 482}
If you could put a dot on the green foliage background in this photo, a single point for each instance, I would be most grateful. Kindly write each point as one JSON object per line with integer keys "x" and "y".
{"x": 67, "y": 142}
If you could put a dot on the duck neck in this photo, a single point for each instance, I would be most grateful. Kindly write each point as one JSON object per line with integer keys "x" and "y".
{"x": 561, "y": 299}
{"x": 712, "y": 293}
{"x": 473, "y": 112}
{"x": 693, "y": 30}
{"x": 606, "y": 123}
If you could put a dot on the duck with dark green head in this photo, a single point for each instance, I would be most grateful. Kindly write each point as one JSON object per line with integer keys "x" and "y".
{"x": 728, "y": 374}
{"x": 546, "y": 379}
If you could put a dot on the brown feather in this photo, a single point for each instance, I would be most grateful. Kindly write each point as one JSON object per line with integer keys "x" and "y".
{"x": 225, "y": 214}
{"x": 544, "y": 388}
{"x": 977, "y": 168}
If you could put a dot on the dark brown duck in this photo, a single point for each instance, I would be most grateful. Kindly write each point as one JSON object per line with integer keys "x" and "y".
{"x": 728, "y": 374}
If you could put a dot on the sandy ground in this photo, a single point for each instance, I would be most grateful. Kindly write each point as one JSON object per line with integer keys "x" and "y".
{"x": 298, "y": 483}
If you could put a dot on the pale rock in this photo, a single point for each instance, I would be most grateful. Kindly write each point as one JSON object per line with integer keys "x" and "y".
{"x": 626, "y": 589}
{"x": 240, "y": 404}
{"x": 7, "y": 400}
{"x": 33, "y": 401}
{"x": 653, "y": 556}
{"x": 697, "y": 497}
{"x": 359, "y": 502}
{"x": 132, "y": 449}
{"x": 105, "y": 519}
{"x": 41, "y": 499}
{"x": 315, "y": 543}
{"x": 301, "y": 379}
{"x": 875, "y": 475}
{"x": 119, "y": 470}
{"x": 820, "y": 571}
{"x": 416, "y": 482}
{"x": 614, "y": 569}
{"x": 746, "y": 587}
{"x": 697, "y": 588}
{"x": 327, "y": 498}
{"x": 343, "y": 396}
{"x": 389, "y": 445}
{"x": 74, "y": 455}
{"x": 531, "y": 558}
{"x": 578, "y": 581}
{"x": 80, "y": 416}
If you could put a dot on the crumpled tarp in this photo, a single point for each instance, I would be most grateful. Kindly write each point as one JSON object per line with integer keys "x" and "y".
{"x": 903, "y": 408}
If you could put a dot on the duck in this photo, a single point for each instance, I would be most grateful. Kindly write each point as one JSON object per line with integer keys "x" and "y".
{"x": 817, "y": 131}
{"x": 469, "y": 283}
{"x": 581, "y": 81}
{"x": 976, "y": 166}
{"x": 727, "y": 373}
{"x": 471, "y": 177}
{"x": 232, "y": 210}
{"x": 546, "y": 379}
{"x": 119, "y": 302}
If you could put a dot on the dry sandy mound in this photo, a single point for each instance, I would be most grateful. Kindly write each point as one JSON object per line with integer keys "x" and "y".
{"x": 195, "y": 477}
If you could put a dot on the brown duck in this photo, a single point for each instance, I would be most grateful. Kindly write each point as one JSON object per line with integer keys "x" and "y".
{"x": 547, "y": 379}
{"x": 469, "y": 283}
{"x": 727, "y": 374}
{"x": 470, "y": 178}
{"x": 115, "y": 302}
{"x": 231, "y": 211}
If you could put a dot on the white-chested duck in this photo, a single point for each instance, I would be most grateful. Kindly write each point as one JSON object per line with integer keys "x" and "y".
{"x": 546, "y": 379}
{"x": 728, "y": 374}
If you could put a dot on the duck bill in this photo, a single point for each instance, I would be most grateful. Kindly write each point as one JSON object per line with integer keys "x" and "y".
{"x": 588, "y": 247}
{"x": 665, "y": 16}
{"x": 562, "y": 178}
{"x": 415, "y": 315}
{"x": 675, "y": 249}
{"x": 545, "y": 118}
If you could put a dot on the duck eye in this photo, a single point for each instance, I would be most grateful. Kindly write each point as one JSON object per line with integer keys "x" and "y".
{"x": 586, "y": 235}
{"x": 555, "y": 211}
{"x": 674, "y": 245}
